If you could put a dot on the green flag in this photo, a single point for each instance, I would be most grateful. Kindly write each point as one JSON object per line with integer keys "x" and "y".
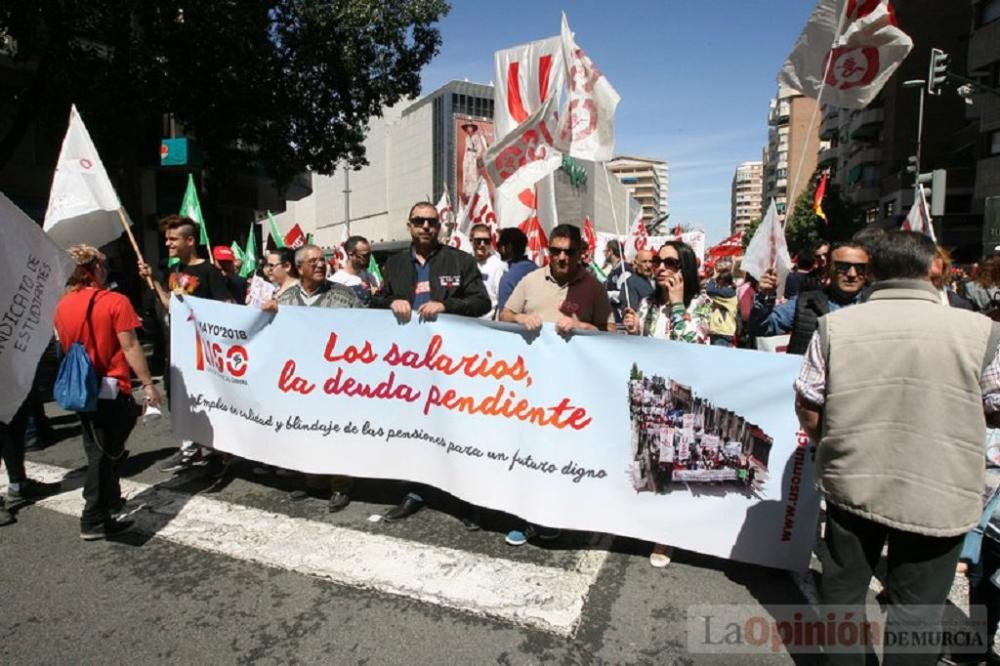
{"x": 373, "y": 270}
{"x": 237, "y": 251}
{"x": 598, "y": 273}
{"x": 191, "y": 207}
{"x": 279, "y": 240}
{"x": 309, "y": 239}
{"x": 250, "y": 255}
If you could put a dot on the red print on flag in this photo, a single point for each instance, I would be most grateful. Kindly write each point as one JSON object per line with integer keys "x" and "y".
{"x": 852, "y": 67}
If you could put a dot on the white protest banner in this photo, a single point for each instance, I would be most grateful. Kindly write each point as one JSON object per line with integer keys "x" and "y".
{"x": 33, "y": 273}
{"x": 83, "y": 205}
{"x": 564, "y": 433}
{"x": 260, "y": 291}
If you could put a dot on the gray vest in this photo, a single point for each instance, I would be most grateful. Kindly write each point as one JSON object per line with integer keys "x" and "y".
{"x": 903, "y": 424}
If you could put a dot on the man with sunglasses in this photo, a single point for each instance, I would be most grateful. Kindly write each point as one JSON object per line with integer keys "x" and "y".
{"x": 490, "y": 265}
{"x": 431, "y": 279}
{"x": 354, "y": 273}
{"x": 566, "y": 294}
{"x": 848, "y": 274}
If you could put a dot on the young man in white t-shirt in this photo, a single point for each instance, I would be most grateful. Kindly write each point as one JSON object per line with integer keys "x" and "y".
{"x": 355, "y": 273}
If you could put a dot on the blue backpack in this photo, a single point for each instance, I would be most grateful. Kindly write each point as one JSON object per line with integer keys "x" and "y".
{"x": 76, "y": 386}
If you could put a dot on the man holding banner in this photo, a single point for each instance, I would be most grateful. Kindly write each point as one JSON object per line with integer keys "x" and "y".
{"x": 431, "y": 279}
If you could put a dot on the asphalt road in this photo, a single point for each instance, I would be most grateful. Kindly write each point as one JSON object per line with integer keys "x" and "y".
{"x": 206, "y": 580}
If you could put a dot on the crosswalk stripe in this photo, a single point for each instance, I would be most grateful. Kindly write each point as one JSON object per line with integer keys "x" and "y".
{"x": 546, "y": 598}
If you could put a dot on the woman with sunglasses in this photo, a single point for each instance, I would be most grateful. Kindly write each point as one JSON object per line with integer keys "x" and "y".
{"x": 678, "y": 310}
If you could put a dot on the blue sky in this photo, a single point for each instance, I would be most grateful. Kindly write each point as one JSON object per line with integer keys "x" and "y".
{"x": 695, "y": 77}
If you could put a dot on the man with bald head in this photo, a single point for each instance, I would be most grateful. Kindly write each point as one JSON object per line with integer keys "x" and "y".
{"x": 639, "y": 284}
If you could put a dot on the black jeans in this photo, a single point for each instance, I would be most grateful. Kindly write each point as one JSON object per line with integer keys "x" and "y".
{"x": 12, "y": 443}
{"x": 920, "y": 573}
{"x": 105, "y": 432}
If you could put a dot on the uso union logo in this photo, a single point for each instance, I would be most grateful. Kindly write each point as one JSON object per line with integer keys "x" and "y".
{"x": 226, "y": 360}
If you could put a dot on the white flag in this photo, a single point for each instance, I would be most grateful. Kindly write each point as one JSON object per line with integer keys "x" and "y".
{"x": 857, "y": 62}
{"x": 83, "y": 205}
{"x": 33, "y": 274}
{"x": 444, "y": 210}
{"x": 919, "y": 217}
{"x": 479, "y": 211}
{"x": 526, "y": 75}
{"x": 588, "y": 124}
{"x": 637, "y": 238}
{"x": 527, "y": 154}
{"x": 768, "y": 249}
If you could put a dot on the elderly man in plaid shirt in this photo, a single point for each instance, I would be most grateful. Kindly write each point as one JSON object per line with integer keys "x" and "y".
{"x": 898, "y": 392}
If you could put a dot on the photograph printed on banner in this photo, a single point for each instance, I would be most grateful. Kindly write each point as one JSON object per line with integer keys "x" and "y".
{"x": 683, "y": 442}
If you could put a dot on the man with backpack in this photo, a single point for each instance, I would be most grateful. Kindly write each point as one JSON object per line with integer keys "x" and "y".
{"x": 103, "y": 322}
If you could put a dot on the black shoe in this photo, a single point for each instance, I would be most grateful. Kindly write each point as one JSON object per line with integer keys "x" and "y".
{"x": 6, "y": 517}
{"x": 183, "y": 460}
{"x": 29, "y": 491}
{"x": 105, "y": 530}
{"x": 338, "y": 502}
{"x": 406, "y": 508}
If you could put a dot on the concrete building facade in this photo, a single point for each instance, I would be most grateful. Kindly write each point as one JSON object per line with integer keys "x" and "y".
{"x": 747, "y": 193}
{"x": 647, "y": 180}
{"x": 792, "y": 142}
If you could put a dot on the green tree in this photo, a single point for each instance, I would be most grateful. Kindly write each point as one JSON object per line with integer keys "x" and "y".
{"x": 271, "y": 86}
{"x": 750, "y": 231}
{"x": 635, "y": 373}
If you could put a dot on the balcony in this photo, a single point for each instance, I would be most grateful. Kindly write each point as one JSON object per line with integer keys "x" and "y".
{"x": 828, "y": 156}
{"x": 830, "y": 126}
{"x": 864, "y": 156}
{"x": 865, "y": 124}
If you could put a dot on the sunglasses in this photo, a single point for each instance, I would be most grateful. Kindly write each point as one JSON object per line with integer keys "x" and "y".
{"x": 480, "y": 241}
{"x": 272, "y": 266}
{"x": 364, "y": 257}
{"x": 425, "y": 221}
{"x": 568, "y": 251}
{"x": 670, "y": 263}
{"x": 844, "y": 267}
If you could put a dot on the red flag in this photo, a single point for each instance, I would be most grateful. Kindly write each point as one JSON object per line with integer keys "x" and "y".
{"x": 295, "y": 238}
{"x": 818, "y": 198}
{"x": 590, "y": 235}
{"x": 538, "y": 243}
{"x": 731, "y": 247}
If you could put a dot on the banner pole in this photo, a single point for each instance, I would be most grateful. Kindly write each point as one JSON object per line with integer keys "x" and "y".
{"x": 131, "y": 238}
{"x": 618, "y": 231}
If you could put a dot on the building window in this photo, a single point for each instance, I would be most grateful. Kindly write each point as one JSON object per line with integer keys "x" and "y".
{"x": 995, "y": 143}
{"x": 889, "y": 209}
{"x": 871, "y": 215}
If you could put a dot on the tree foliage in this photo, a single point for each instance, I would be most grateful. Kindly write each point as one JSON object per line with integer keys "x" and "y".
{"x": 281, "y": 86}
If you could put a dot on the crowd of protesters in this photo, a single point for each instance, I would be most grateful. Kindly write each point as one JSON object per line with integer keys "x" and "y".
{"x": 876, "y": 301}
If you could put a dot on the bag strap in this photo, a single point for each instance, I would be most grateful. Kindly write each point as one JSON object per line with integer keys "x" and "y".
{"x": 87, "y": 321}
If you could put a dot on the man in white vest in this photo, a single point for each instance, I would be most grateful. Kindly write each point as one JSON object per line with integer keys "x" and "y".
{"x": 897, "y": 392}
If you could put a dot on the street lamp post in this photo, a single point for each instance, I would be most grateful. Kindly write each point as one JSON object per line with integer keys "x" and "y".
{"x": 921, "y": 85}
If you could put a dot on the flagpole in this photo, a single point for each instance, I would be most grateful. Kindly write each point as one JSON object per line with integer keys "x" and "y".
{"x": 819, "y": 100}
{"x": 618, "y": 232}
{"x": 135, "y": 246}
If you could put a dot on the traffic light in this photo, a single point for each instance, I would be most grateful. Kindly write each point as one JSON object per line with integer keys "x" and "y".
{"x": 911, "y": 164}
{"x": 938, "y": 71}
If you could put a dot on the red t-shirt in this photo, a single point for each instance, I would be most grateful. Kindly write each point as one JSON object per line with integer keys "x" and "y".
{"x": 112, "y": 314}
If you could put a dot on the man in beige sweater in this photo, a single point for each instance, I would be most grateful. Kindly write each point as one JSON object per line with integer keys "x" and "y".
{"x": 897, "y": 393}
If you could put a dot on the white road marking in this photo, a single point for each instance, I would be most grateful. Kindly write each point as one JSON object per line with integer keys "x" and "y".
{"x": 546, "y": 598}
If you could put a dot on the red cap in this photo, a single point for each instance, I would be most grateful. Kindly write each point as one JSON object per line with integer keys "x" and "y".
{"x": 223, "y": 253}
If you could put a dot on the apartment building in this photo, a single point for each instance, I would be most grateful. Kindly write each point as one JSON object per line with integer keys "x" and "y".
{"x": 747, "y": 190}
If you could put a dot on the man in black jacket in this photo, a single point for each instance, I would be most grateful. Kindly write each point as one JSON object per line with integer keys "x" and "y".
{"x": 430, "y": 278}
